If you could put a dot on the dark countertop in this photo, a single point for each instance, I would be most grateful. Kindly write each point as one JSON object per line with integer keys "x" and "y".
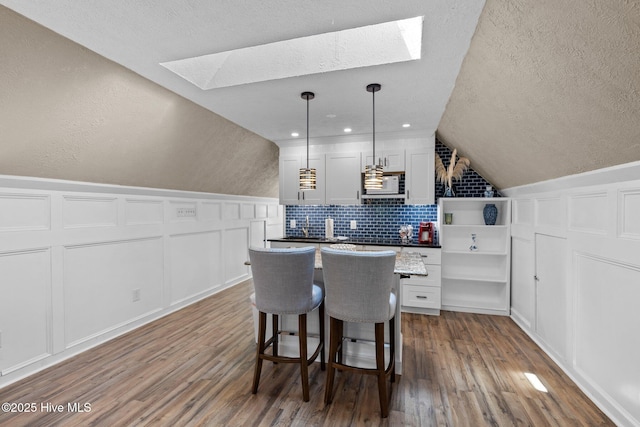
{"x": 355, "y": 241}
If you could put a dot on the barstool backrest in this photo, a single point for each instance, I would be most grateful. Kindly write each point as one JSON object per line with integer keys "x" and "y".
{"x": 358, "y": 284}
{"x": 283, "y": 279}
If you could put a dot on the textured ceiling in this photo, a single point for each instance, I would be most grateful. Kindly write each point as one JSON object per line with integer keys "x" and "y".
{"x": 141, "y": 35}
{"x": 548, "y": 89}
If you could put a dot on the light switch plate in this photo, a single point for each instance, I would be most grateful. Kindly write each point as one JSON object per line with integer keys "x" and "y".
{"x": 292, "y": 223}
{"x": 353, "y": 224}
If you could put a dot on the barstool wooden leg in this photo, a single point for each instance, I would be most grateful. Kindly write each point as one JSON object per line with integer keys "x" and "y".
{"x": 392, "y": 348}
{"x": 274, "y": 333}
{"x": 333, "y": 349}
{"x": 339, "y": 340}
{"x": 304, "y": 369}
{"x": 322, "y": 352}
{"x": 262, "y": 329}
{"x": 380, "y": 367}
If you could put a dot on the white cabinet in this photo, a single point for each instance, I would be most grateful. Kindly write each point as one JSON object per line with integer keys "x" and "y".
{"x": 290, "y": 193}
{"x": 391, "y": 160}
{"x": 475, "y": 280}
{"x": 420, "y": 178}
{"x": 343, "y": 178}
{"x": 422, "y": 294}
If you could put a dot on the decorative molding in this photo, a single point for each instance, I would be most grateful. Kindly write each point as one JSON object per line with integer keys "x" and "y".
{"x": 588, "y": 212}
{"x": 523, "y": 211}
{"x": 604, "y": 318}
{"x": 211, "y": 211}
{"x": 261, "y": 210}
{"x": 629, "y": 214}
{"x": 231, "y": 211}
{"x": 88, "y": 211}
{"x": 248, "y": 211}
{"x": 143, "y": 211}
{"x": 550, "y": 212}
{"x": 604, "y": 176}
{"x": 25, "y": 212}
{"x": 110, "y": 242}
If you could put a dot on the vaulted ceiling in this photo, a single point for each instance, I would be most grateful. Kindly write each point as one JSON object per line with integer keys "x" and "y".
{"x": 546, "y": 88}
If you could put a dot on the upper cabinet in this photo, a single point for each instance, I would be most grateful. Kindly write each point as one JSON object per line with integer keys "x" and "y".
{"x": 420, "y": 177}
{"x": 391, "y": 160}
{"x": 343, "y": 178}
{"x": 290, "y": 193}
{"x": 340, "y": 167}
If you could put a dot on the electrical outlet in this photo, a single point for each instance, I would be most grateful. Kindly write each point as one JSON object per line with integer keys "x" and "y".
{"x": 292, "y": 223}
{"x": 186, "y": 212}
{"x": 353, "y": 224}
{"x": 136, "y": 295}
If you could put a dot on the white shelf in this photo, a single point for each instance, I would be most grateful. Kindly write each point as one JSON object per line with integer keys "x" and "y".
{"x": 476, "y": 253}
{"x": 475, "y": 281}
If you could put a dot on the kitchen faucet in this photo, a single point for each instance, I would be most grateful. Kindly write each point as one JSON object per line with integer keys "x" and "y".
{"x": 305, "y": 229}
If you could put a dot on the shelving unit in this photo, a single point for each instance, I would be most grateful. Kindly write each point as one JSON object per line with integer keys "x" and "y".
{"x": 476, "y": 281}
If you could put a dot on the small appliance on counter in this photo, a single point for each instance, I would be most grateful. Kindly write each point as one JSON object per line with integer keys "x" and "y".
{"x": 425, "y": 235}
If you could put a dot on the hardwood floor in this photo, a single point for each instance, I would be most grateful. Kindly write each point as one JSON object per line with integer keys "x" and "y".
{"x": 195, "y": 367}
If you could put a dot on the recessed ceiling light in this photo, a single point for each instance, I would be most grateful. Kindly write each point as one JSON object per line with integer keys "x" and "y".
{"x": 295, "y": 134}
{"x": 347, "y": 130}
{"x": 406, "y": 125}
{"x": 331, "y": 116}
{"x": 379, "y": 44}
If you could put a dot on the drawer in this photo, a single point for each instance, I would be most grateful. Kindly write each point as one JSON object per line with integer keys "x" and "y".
{"x": 433, "y": 278}
{"x": 421, "y": 296}
{"x": 429, "y": 255}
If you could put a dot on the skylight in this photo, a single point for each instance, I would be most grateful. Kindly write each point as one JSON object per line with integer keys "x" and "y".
{"x": 386, "y": 43}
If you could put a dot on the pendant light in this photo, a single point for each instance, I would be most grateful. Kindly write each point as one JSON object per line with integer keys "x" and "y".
{"x": 373, "y": 172}
{"x": 307, "y": 175}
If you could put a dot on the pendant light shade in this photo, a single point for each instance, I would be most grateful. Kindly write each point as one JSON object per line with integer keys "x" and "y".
{"x": 307, "y": 175}
{"x": 373, "y": 172}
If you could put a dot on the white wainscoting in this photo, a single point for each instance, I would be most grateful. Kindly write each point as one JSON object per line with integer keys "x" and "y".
{"x": 82, "y": 263}
{"x": 601, "y": 226}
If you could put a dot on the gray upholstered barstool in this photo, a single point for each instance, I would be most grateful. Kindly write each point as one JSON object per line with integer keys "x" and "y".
{"x": 283, "y": 282}
{"x": 358, "y": 288}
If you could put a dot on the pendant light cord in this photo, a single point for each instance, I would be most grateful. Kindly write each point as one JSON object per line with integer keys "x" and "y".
{"x": 373, "y": 94}
{"x": 307, "y": 132}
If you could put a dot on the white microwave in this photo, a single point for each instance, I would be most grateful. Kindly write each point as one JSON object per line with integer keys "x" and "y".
{"x": 390, "y": 185}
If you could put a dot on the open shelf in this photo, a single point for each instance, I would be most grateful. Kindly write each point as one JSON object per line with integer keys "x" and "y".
{"x": 475, "y": 281}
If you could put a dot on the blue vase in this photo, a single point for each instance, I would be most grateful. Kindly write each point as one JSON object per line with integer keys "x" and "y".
{"x": 490, "y": 213}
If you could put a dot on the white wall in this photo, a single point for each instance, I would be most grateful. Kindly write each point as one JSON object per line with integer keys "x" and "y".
{"x": 82, "y": 263}
{"x": 586, "y": 317}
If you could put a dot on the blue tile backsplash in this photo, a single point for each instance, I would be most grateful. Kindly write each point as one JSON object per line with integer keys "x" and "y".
{"x": 376, "y": 219}
{"x": 381, "y": 218}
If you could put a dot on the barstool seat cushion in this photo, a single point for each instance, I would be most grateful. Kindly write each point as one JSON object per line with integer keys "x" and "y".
{"x": 316, "y": 298}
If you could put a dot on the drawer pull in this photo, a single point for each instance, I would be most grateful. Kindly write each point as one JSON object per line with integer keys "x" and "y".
{"x": 421, "y": 297}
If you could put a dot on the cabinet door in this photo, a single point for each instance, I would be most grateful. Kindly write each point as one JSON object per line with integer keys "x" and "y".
{"x": 289, "y": 180}
{"x": 394, "y": 161}
{"x": 551, "y": 293}
{"x": 391, "y": 160}
{"x": 317, "y": 196}
{"x": 343, "y": 178}
{"x": 420, "y": 178}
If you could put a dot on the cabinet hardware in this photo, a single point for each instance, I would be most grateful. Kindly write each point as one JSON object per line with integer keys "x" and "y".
{"x": 357, "y": 194}
{"x": 298, "y": 195}
{"x": 421, "y": 296}
{"x": 408, "y": 195}
{"x": 385, "y": 161}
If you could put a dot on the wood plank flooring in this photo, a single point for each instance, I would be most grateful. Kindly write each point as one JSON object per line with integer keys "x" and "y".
{"x": 194, "y": 367}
